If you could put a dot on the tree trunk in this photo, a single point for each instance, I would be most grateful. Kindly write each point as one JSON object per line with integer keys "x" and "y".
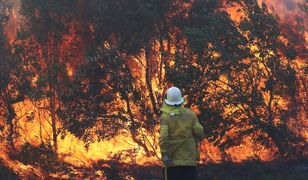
{"x": 162, "y": 60}
{"x": 278, "y": 140}
{"x": 41, "y": 135}
{"x": 53, "y": 118}
{"x": 11, "y": 116}
{"x": 54, "y": 78}
{"x": 148, "y": 80}
{"x": 11, "y": 134}
{"x": 134, "y": 129}
{"x": 53, "y": 58}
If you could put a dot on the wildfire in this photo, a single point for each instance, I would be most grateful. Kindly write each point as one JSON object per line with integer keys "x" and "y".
{"x": 34, "y": 127}
{"x": 33, "y": 119}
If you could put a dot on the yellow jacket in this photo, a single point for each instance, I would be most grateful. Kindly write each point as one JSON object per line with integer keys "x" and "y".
{"x": 180, "y": 132}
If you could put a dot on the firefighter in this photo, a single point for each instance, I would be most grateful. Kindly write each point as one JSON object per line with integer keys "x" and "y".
{"x": 180, "y": 132}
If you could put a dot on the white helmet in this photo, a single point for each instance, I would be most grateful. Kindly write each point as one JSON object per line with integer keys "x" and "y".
{"x": 174, "y": 96}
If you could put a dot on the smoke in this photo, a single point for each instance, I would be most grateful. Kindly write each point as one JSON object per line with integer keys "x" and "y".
{"x": 293, "y": 21}
{"x": 284, "y": 8}
{"x": 290, "y": 4}
{"x": 11, "y": 27}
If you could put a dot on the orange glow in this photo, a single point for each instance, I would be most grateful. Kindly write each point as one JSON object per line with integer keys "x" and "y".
{"x": 70, "y": 71}
{"x": 71, "y": 148}
{"x": 74, "y": 151}
{"x": 235, "y": 11}
{"x": 250, "y": 150}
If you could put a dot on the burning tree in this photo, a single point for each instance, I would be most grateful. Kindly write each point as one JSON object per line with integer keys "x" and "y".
{"x": 42, "y": 42}
{"x": 263, "y": 87}
{"x": 117, "y": 82}
{"x": 249, "y": 96}
{"x": 13, "y": 78}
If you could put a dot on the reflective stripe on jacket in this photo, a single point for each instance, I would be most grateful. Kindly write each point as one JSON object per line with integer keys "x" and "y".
{"x": 180, "y": 132}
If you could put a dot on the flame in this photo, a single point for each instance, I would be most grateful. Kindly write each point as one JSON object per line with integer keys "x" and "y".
{"x": 235, "y": 11}
{"x": 34, "y": 127}
{"x": 70, "y": 70}
{"x": 75, "y": 152}
{"x": 249, "y": 149}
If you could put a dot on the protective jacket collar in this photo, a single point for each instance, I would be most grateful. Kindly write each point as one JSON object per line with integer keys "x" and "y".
{"x": 171, "y": 109}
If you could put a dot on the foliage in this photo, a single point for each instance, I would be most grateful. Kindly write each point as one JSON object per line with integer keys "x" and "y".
{"x": 94, "y": 100}
{"x": 236, "y": 97}
{"x": 44, "y": 17}
{"x": 127, "y": 25}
